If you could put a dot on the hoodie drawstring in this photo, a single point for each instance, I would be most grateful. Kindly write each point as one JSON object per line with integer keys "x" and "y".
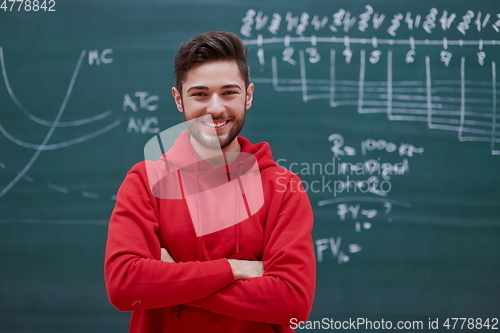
{"x": 198, "y": 222}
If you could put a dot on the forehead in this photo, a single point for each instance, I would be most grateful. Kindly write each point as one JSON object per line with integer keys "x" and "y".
{"x": 213, "y": 74}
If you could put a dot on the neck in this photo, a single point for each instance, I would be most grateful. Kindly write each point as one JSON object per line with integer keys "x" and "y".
{"x": 214, "y": 156}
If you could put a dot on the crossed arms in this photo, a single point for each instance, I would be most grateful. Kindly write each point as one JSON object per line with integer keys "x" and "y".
{"x": 140, "y": 275}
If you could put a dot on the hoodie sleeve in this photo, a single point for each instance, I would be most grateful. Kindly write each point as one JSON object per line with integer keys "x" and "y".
{"x": 287, "y": 288}
{"x": 135, "y": 277}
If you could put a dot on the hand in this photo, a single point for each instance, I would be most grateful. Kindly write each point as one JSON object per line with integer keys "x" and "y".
{"x": 245, "y": 269}
{"x": 165, "y": 256}
{"x": 242, "y": 269}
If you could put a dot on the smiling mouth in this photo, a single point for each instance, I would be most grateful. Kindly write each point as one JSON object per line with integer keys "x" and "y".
{"x": 216, "y": 125}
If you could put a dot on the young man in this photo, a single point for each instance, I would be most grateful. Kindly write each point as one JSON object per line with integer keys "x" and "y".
{"x": 216, "y": 243}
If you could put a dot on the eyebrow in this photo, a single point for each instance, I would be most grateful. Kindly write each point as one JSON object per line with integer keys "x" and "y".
{"x": 197, "y": 88}
{"x": 226, "y": 86}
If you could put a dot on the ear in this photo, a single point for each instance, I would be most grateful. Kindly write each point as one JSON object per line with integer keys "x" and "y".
{"x": 249, "y": 96}
{"x": 178, "y": 99}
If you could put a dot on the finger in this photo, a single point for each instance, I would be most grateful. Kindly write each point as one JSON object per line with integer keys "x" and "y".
{"x": 165, "y": 256}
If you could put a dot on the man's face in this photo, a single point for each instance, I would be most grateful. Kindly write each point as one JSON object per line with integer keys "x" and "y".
{"x": 214, "y": 89}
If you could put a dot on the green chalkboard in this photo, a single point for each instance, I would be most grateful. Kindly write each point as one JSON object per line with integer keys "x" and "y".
{"x": 387, "y": 110}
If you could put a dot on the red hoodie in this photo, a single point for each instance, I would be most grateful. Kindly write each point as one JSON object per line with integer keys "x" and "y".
{"x": 198, "y": 292}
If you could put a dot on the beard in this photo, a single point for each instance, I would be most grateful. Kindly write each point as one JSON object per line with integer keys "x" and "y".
{"x": 213, "y": 141}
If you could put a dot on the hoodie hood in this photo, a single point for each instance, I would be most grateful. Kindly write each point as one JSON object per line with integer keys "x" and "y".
{"x": 181, "y": 174}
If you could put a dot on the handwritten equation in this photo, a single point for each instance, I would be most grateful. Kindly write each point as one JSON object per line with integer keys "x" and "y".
{"x": 358, "y": 214}
{"x": 257, "y": 22}
{"x": 362, "y": 182}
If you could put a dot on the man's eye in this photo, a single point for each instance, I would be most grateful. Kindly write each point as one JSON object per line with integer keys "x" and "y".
{"x": 198, "y": 94}
{"x": 230, "y": 92}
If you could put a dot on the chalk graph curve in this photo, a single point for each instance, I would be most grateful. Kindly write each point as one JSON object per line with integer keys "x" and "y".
{"x": 37, "y": 153}
{"x": 35, "y": 118}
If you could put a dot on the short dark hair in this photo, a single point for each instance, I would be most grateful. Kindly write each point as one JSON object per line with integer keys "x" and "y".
{"x": 208, "y": 47}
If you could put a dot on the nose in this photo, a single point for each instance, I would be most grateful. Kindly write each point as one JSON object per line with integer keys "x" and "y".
{"x": 215, "y": 105}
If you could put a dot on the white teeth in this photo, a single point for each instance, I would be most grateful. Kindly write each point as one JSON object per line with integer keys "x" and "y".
{"x": 214, "y": 125}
